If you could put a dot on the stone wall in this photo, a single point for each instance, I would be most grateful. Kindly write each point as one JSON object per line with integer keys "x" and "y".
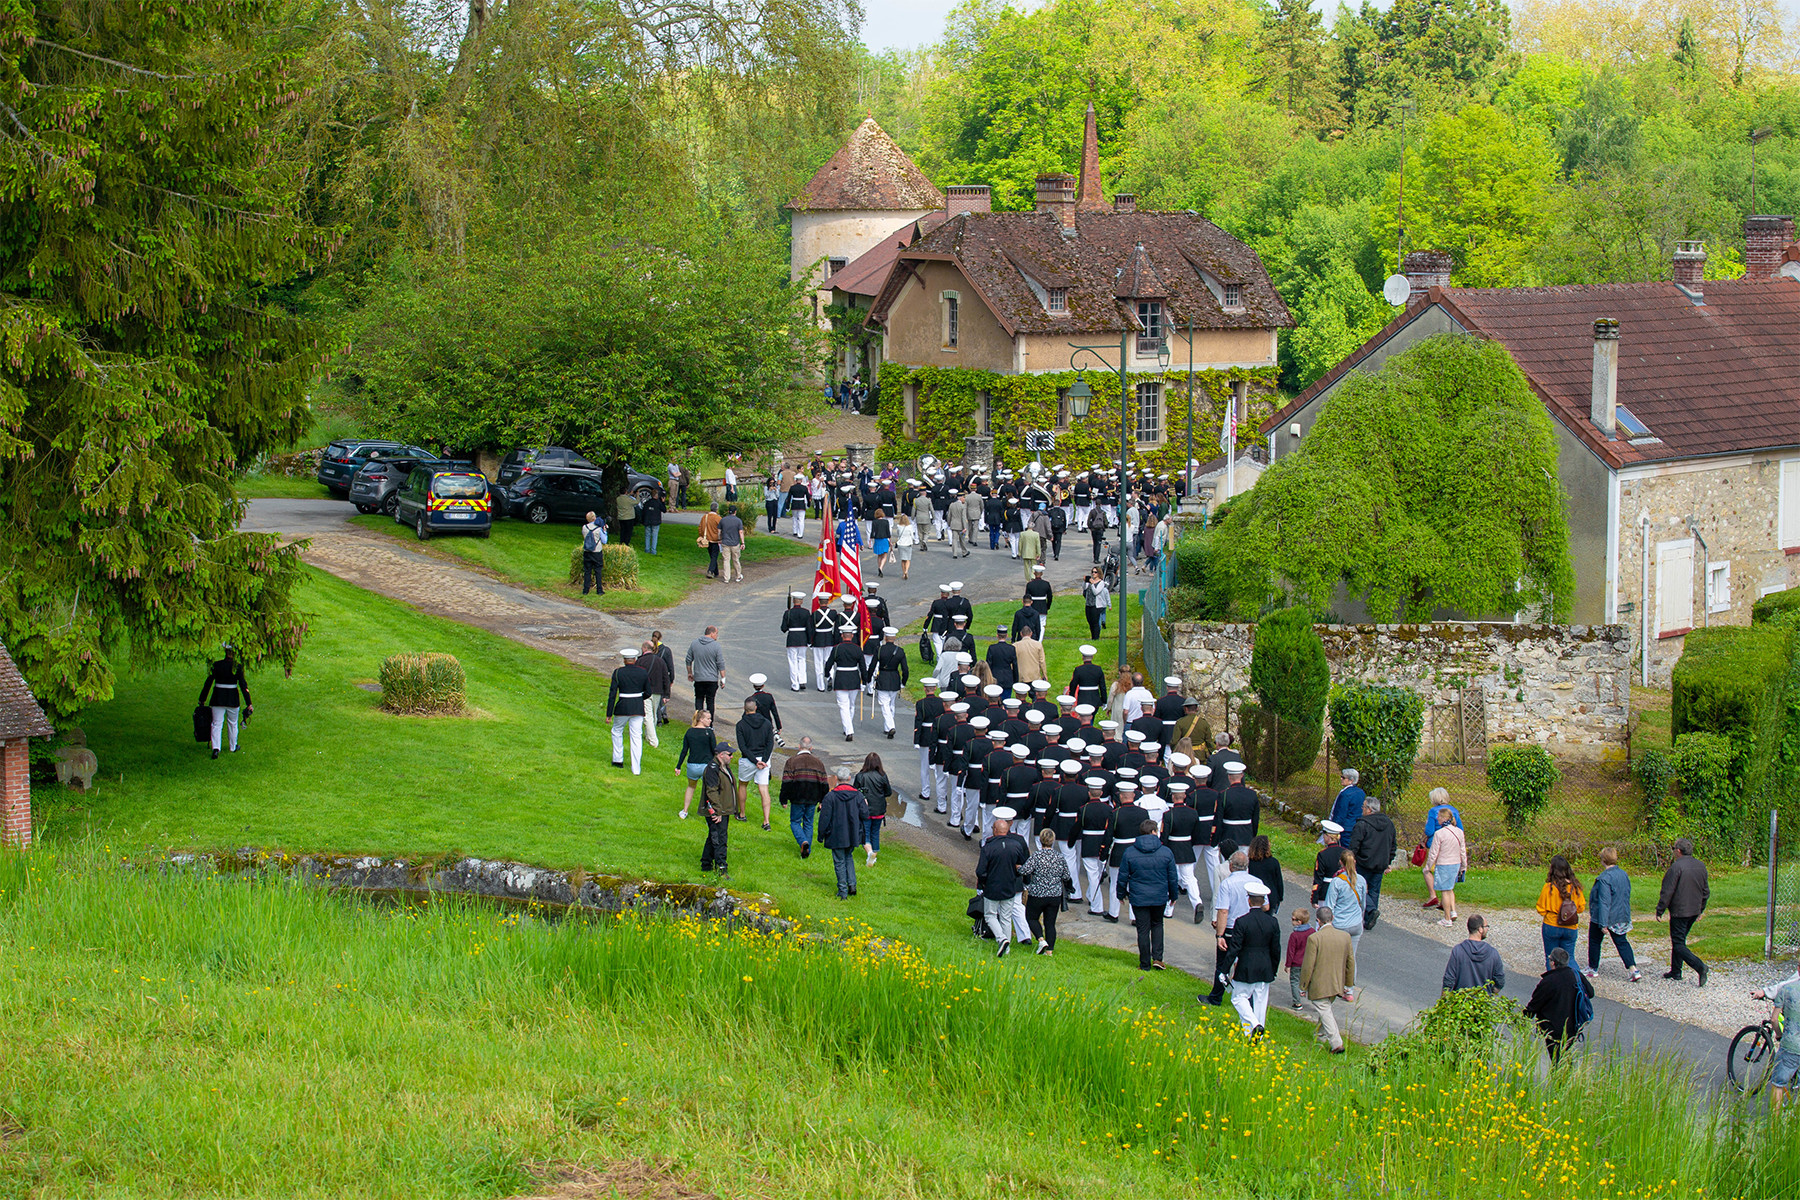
{"x": 1564, "y": 687}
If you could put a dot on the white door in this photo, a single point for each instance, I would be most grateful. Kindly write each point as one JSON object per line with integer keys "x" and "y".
{"x": 1674, "y": 586}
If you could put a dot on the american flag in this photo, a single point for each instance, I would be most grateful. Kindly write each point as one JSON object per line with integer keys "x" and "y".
{"x": 825, "y": 575}
{"x": 849, "y": 572}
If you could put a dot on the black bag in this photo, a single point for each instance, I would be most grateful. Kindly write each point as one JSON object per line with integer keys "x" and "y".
{"x": 978, "y": 919}
{"x": 202, "y": 723}
{"x": 1058, "y": 520}
{"x": 927, "y": 652}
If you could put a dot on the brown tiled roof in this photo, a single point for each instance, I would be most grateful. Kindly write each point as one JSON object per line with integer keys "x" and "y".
{"x": 868, "y": 172}
{"x": 864, "y": 275}
{"x": 997, "y": 251}
{"x": 20, "y": 715}
{"x": 1711, "y": 378}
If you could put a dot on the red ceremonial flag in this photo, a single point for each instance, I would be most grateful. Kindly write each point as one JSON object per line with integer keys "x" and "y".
{"x": 825, "y": 575}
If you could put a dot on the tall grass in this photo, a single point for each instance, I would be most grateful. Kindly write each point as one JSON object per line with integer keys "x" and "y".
{"x": 178, "y": 1034}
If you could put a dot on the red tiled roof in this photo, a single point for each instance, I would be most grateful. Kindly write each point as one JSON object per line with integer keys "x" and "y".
{"x": 1003, "y": 254}
{"x": 868, "y": 172}
{"x": 864, "y": 275}
{"x": 1711, "y": 378}
{"x": 20, "y": 715}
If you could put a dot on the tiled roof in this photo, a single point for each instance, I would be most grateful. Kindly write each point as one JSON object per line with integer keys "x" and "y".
{"x": 998, "y": 251}
{"x": 20, "y": 715}
{"x": 1712, "y": 378}
{"x": 864, "y": 275}
{"x": 868, "y": 172}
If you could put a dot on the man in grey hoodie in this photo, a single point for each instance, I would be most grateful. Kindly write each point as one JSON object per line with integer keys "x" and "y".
{"x": 706, "y": 667}
{"x": 1474, "y": 963}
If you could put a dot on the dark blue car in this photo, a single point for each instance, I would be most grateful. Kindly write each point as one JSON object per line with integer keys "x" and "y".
{"x": 341, "y": 460}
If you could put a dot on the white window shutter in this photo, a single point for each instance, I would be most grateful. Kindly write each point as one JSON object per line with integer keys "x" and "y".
{"x": 1790, "y": 503}
{"x": 1674, "y": 586}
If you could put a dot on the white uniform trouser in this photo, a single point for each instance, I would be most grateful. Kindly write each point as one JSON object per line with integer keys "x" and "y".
{"x": 946, "y": 791}
{"x": 636, "y": 725}
{"x": 1252, "y": 1003}
{"x": 1006, "y": 919}
{"x": 796, "y": 666}
{"x": 885, "y": 702}
{"x": 959, "y": 797}
{"x": 225, "y": 719}
{"x": 868, "y": 663}
{"x": 937, "y": 648}
{"x": 1112, "y": 894}
{"x": 985, "y": 826}
{"x": 1022, "y": 827}
{"x": 1092, "y": 867}
{"x": 1215, "y": 870}
{"x": 820, "y": 654}
{"x": 1012, "y": 544}
{"x": 846, "y": 699}
{"x": 1072, "y": 859}
{"x": 799, "y": 514}
{"x": 939, "y": 525}
{"x": 927, "y": 775}
{"x": 1189, "y": 884}
{"x": 1080, "y": 519}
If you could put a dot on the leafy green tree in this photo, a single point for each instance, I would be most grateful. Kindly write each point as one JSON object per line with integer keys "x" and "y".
{"x": 1295, "y": 67}
{"x": 147, "y": 217}
{"x": 1428, "y": 484}
{"x": 1335, "y": 315}
{"x": 1453, "y": 43}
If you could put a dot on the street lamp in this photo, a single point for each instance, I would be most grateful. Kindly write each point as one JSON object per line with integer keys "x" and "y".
{"x": 1080, "y": 396}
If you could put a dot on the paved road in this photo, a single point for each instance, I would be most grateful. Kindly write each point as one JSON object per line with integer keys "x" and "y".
{"x": 1399, "y": 968}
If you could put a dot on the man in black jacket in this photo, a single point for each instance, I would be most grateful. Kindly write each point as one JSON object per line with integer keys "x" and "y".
{"x": 1147, "y": 880}
{"x": 997, "y": 874}
{"x": 1374, "y": 843}
{"x": 1003, "y": 661}
{"x": 1684, "y": 894}
{"x": 888, "y": 674}
{"x": 625, "y": 708}
{"x": 1255, "y": 941}
{"x": 841, "y": 817}
{"x": 1026, "y": 616}
{"x": 1126, "y": 819}
{"x": 925, "y": 715}
{"x": 756, "y": 750}
{"x": 796, "y": 632}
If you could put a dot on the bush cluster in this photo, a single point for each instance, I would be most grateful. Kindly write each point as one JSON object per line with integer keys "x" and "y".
{"x": 1732, "y": 682}
{"x": 1376, "y": 729}
{"x": 422, "y": 683}
{"x": 618, "y": 568}
{"x": 1522, "y": 776}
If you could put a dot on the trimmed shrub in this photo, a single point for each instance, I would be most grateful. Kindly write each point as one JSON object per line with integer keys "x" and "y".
{"x": 1655, "y": 771}
{"x": 1732, "y": 681}
{"x": 1376, "y": 729}
{"x": 1766, "y": 607}
{"x": 1522, "y": 776}
{"x": 1292, "y": 679}
{"x": 1711, "y": 800}
{"x": 618, "y": 568}
{"x": 422, "y": 683}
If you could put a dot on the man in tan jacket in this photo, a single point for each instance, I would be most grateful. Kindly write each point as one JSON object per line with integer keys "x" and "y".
{"x": 1327, "y": 974}
{"x": 1030, "y": 653}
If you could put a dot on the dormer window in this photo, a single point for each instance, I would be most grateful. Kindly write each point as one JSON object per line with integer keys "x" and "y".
{"x": 1234, "y": 295}
{"x": 1150, "y": 319}
{"x": 1056, "y": 300}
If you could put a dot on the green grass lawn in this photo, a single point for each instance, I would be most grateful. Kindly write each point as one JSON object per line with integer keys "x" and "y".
{"x": 282, "y": 487}
{"x": 537, "y": 556}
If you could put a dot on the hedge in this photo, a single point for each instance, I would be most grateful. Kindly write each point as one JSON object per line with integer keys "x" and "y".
{"x": 1376, "y": 729}
{"x": 1712, "y": 807}
{"x": 1292, "y": 679}
{"x": 1522, "y": 776}
{"x": 422, "y": 683}
{"x": 618, "y": 569}
{"x": 1732, "y": 681}
{"x": 1767, "y": 607}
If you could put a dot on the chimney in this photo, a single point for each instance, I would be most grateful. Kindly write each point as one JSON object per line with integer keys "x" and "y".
{"x": 1764, "y": 240}
{"x": 1124, "y": 202}
{"x": 1426, "y": 269}
{"x": 1089, "y": 197}
{"x": 1690, "y": 269}
{"x": 1056, "y": 194}
{"x": 969, "y": 198}
{"x": 1603, "y": 407}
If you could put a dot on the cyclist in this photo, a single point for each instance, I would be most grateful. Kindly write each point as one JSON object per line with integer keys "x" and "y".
{"x": 1785, "y": 996}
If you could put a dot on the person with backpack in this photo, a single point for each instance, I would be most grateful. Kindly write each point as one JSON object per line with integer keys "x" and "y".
{"x": 1560, "y": 903}
{"x": 593, "y": 555}
{"x": 872, "y": 782}
{"x": 1561, "y": 1004}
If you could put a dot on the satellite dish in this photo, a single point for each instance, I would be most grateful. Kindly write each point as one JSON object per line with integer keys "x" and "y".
{"x": 1396, "y": 289}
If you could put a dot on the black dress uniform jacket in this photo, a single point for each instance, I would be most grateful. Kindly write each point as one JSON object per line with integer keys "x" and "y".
{"x": 824, "y": 629}
{"x": 1065, "y": 816}
{"x": 1169, "y": 709}
{"x": 1087, "y": 683}
{"x": 1239, "y": 813}
{"x": 846, "y": 667}
{"x": 1127, "y": 819}
{"x": 1205, "y": 803}
{"x": 1180, "y": 829}
{"x": 1003, "y": 661}
{"x": 891, "y": 671}
{"x": 1095, "y": 828}
{"x": 1039, "y": 595}
{"x": 765, "y": 707}
{"x": 796, "y": 625}
{"x": 925, "y": 715}
{"x": 630, "y": 684}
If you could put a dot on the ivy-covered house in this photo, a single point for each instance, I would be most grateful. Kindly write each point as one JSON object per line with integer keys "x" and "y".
{"x": 1676, "y": 407}
{"x": 979, "y": 316}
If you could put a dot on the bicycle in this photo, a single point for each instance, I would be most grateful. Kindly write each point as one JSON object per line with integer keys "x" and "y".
{"x": 1751, "y": 1057}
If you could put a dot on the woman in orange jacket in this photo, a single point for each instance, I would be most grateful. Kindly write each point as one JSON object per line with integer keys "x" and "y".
{"x": 1560, "y": 905}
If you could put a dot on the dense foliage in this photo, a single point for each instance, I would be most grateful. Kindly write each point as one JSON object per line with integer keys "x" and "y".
{"x": 1292, "y": 678}
{"x": 1732, "y": 681}
{"x": 1376, "y": 729}
{"x": 1522, "y": 776}
{"x": 1428, "y": 484}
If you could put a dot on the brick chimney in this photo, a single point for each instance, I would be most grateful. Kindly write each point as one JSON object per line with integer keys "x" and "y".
{"x": 1764, "y": 240}
{"x": 1124, "y": 202}
{"x": 969, "y": 198}
{"x": 1603, "y": 407}
{"x": 1426, "y": 269}
{"x": 1690, "y": 269}
{"x": 1056, "y": 194}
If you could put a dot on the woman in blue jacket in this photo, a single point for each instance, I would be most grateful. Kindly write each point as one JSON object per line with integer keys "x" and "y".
{"x": 1609, "y": 910}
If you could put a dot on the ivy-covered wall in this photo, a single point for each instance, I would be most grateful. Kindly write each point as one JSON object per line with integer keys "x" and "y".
{"x": 949, "y": 400}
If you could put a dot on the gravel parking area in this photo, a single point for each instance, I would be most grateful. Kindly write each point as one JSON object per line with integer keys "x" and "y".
{"x": 1723, "y": 1005}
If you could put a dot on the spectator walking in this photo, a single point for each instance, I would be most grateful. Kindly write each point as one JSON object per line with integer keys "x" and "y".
{"x": 731, "y": 546}
{"x": 650, "y": 516}
{"x": 872, "y": 782}
{"x": 1560, "y": 904}
{"x": 698, "y": 745}
{"x": 593, "y": 555}
{"x": 756, "y": 750}
{"x": 1147, "y": 881}
{"x": 1327, "y": 975}
{"x": 1255, "y": 951}
{"x": 1266, "y": 867}
{"x": 656, "y": 672}
{"x": 906, "y": 541}
{"x": 1684, "y": 894}
{"x": 1473, "y": 962}
{"x": 668, "y": 656}
{"x": 1438, "y": 801}
{"x": 841, "y": 817}
{"x": 1345, "y": 897}
{"x": 718, "y": 804}
{"x": 999, "y": 875}
{"x": 1303, "y": 930}
{"x": 706, "y": 667}
{"x": 804, "y": 783}
{"x": 1556, "y": 1003}
{"x": 1374, "y": 842}
{"x": 1444, "y": 862}
{"x": 709, "y": 538}
{"x": 1098, "y": 598}
{"x": 1609, "y": 913}
{"x": 1047, "y": 882}
{"x": 1347, "y": 809}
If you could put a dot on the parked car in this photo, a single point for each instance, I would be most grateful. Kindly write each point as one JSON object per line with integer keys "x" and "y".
{"x": 540, "y": 496}
{"x": 341, "y": 460}
{"x": 376, "y": 485}
{"x": 445, "y": 500}
{"x": 521, "y": 462}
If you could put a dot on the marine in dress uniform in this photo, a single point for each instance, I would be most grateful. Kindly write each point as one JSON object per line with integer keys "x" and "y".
{"x": 875, "y": 619}
{"x": 1087, "y": 683}
{"x": 937, "y": 618}
{"x": 889, "y": 673}
{"x": 846, "y": 678}
{"x": 1169, "y": 709}
{"x": 824, "y": 637}
{"x": 1003, "y": 661}
{"x": 994, "y": 767}
{"x": 1065, "y": 818}
{"x": 925, "y": 715}
{"x": 765, "y": 705}
{"x": 796, "y": 632}
{"x": 1017, "y": 782}
{"x": 1038, "y": 593}
{"x": 956, "y": 762}
{"x": 1042, "y": 795}
{"x": 1240, "y": 809}
{"x": 975, "y": 750}
{"x": 625, "y": 709}
{"x": 1180, "y": 828}
{"x": 1128, "y": 817}
{"x": 1094, "y": 827}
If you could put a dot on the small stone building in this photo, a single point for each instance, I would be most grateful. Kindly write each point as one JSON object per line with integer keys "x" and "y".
{"x": 1676, "y": 407}
{"x": 20, "y": 720}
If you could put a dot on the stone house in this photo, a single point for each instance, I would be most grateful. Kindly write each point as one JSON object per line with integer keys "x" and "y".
{"x": 20, "y": 720}
{"x": 1002, "y": 298}
{"x": 1677, "y": 413}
